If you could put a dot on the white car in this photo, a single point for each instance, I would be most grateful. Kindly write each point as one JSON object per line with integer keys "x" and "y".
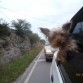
{"x": 49, "y": 52}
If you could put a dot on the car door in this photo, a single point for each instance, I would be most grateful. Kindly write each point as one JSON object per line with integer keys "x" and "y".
{"x": 55, "y": 76}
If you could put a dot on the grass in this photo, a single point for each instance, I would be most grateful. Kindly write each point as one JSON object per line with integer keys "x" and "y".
{"x": 74, "y": 76}
{"x": 10, "y": 71}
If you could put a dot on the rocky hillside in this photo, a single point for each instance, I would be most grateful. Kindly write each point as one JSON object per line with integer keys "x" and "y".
{"x": 13, "y": 46}
{"x": 15, "y": 42}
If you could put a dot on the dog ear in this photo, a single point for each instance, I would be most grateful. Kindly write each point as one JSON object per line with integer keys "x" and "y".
{"x": 45, "y": 31}
{"x": 66, "y": 27}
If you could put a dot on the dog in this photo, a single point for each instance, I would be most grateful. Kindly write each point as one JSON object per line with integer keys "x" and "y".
{"x": 61, "y": 38}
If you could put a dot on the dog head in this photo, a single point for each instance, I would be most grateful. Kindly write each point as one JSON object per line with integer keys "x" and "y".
{"x": 58, "y": 37}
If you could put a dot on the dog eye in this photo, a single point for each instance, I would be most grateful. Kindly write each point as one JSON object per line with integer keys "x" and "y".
{"x": 51, "y": 38}
{"x": 62, "y": 34}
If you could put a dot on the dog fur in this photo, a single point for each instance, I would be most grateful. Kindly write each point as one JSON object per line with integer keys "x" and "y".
{"x": 61, "y": 38}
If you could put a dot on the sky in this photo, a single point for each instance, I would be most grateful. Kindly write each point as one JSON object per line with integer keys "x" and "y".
{"x": 40, "y": 13}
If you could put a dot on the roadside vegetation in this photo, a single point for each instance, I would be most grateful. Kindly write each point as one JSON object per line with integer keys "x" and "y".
{"x": 4, "y": 28}
{"x": 21, "y": 27}
{"x": 11, "y": 70}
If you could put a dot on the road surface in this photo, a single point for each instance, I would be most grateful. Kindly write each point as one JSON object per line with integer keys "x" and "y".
{"x": 38, "y": 71}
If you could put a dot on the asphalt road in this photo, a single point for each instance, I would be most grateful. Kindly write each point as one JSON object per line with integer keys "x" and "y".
{"x": 38, "y": 71}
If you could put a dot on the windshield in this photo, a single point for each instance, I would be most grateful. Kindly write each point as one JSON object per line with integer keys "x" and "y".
{"x": 47, "y": 43}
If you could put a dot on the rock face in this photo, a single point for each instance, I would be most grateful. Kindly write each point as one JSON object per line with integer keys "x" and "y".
{"x": 13, "y": 46}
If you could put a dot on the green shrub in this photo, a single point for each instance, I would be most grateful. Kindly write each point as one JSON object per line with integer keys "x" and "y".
{"x": 4, "y": 29}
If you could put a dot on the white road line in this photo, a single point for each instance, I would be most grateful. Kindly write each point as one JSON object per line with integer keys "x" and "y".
{"x": 29, "y": 75}
{"x": 40, "y": 60}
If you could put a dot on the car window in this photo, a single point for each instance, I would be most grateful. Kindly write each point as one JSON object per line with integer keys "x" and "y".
{"x": 78, "y": 28}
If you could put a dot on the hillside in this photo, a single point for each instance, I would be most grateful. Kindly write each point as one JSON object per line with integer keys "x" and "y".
{"x": 16, "y": 42}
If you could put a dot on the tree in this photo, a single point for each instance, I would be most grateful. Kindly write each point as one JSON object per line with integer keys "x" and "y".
{"x": 34, "y": 38}
{"x": 21, "y": 26}
{"x": 4, "y": 28}
{"x": 23, "y": 29}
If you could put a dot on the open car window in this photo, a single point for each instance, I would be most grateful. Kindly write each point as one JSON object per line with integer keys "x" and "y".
{"x": 74, "y": 68}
